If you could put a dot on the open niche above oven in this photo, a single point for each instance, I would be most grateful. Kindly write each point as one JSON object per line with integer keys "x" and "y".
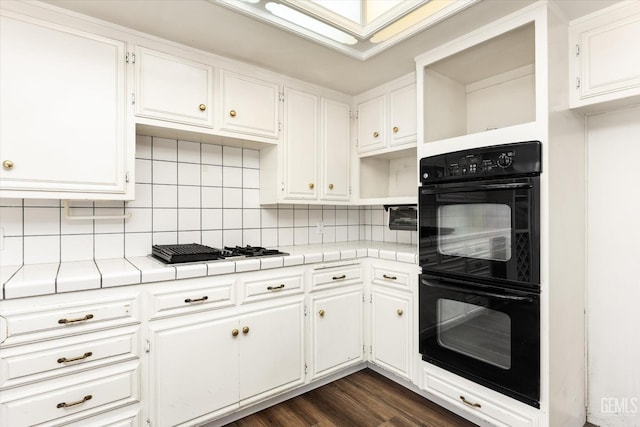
{"x": 487, "y": 86}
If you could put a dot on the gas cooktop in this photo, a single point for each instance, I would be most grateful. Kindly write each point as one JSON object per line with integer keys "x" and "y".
{"x": 194, "y": 252}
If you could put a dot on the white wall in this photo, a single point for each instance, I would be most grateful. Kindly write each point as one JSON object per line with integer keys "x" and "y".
{"x": 613, "y": 261}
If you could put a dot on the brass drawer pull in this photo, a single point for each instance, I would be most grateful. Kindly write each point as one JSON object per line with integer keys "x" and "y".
{"x": 389, "y": 277}
{"x": 330, "y": 186}
{"x": 376, "y": 134}
{"x": 245, "y": 330}
{"x": 473, "y": 405}
{"x": 400, "y": 312}
{"x": 232, "y": 113}
{"x": 67, "y": 405}
{"x": 321, "y": 313}
{"x": 73, "y": 359}
{"x": 344, "y": 276}
{"x": 81, "y": 319}
{"x": 204, "y": 298}
{"x": 395, "y": 129}
{"x": 202, "y": 107}
{"x": 275, "y": 288}
{"x": 7, "y": 164}
{"x": 235, "y": 332}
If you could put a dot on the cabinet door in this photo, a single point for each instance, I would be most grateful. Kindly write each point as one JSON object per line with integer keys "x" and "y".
{"x": 62, "y": 127}
{"x": 608, "y": 59}
{"x": 300, "y": 147}
{"x": 193, "y": 368}
{"x": 403, "y": 115}
{"x": 174, "y": 89}
{"x": 336, "y": 330}
{"x": 335, "y": 150}
{"x": 249, "y": 105}
{"x": 372, "y": 124}
{"x": 271, "y": 351}
{"x": 391, "y": 331}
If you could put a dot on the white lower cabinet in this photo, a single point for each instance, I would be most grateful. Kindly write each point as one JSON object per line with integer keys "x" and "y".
{"x": 193, "y": 368}
{"x": 336, "y": 330}
{"x": 391, "y": 331}
{"x": 489, "y": 406}
{"x": 208, "y": 364}
{"x": 67, "y": 359}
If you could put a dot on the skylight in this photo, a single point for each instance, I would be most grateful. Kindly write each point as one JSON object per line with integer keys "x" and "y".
{"x": 359, "y": 28}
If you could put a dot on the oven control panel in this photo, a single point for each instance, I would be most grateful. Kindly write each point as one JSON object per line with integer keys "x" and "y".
{"x": 522, "y": 158}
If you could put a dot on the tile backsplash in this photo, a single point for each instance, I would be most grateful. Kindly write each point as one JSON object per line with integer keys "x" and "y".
{"x": 185, "y": 192}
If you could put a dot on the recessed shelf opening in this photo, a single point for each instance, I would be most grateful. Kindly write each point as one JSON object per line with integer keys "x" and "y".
{"x": 488, "y": 86}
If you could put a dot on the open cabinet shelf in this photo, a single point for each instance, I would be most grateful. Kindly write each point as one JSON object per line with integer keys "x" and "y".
{"x": 488, "y": 86}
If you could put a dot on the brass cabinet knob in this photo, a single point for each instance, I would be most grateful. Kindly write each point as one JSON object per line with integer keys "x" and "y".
{"x": 232, "y": 113}
{"x": 400, "y": 312}
{"x": 321, "y": 313}
{"x": 376, "y": 134}
{"x": 245, "y": 330}
{"x": 311, "y": 186}
{"x": 330, "y": 186}
{"x": 235, "y": 332}
{"x": 395, "y": 129}
{"x": 202, "y": 107}
{"x": 7, "y": 164}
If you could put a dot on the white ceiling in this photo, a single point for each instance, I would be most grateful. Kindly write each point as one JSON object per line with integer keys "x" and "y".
{"x": 207, "y": 26}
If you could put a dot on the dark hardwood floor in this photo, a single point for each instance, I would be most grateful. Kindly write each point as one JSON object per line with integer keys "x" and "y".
{"x": 362, "y": 399}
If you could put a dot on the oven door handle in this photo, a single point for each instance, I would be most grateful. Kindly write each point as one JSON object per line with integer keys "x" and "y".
{"x": 481, "y": 187}
{"x": 516, "y": 298}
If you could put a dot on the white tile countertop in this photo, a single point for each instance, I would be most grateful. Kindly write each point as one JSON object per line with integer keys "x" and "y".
{"x": 43, "y": 279}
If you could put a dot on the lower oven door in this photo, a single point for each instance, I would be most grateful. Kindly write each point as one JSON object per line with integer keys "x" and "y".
{"x": 487, "y": 334}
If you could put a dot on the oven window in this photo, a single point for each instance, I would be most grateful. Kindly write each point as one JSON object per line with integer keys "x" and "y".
{"x": 475, "y": 230}
{"x": 475, "y": 331}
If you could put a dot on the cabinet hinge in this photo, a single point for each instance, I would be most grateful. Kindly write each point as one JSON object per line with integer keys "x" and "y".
{"x": 370, "y": 349}
{"x": 147, "y": 346}
{"x": 577, "y": 50}
{"x": 371, "y": 298}
{"x": 363, "y": 351}
{"x": 148, "y": 422}
{"x": 126, "y": 177}
{"x": 305, "y": 310}
{"x": 577, "y": 82}
{"x": 349, "y": 189}
{"x": 281, "y": 96}
{"x": 279, "y": 126}
{"x": 130, "y": 58}
{"x": 306, "y": 368}
{"x": 133, "y": 98}
{"x": 356, "y": 115}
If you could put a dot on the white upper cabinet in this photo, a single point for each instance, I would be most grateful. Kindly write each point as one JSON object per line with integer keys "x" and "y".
{"x": 301, "y": 144}
{"x": 403, "y": 115}
{"x": 335, "y": 150}
{"x": 606, "y": 65}
{"x": 173, "y": 88}
{"x": 63, "y": 132}
{"x": 249, "y": 105}
{"x": 371, "y": 124}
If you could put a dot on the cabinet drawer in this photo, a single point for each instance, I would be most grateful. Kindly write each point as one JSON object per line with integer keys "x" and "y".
{"x": 497, "y": 413}
{"x": 71, "y": 397}
{"x": 37, "y": 322}
{"x": 274, "y": 287}
{"x": 333, "y": 277}
{"x": 192, "y": 295}
{"x": 34, "y": 362}
{"x": 387, "y": 276}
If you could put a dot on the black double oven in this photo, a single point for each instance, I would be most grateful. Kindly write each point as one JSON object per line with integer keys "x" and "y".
{"x": 479, "y": 225}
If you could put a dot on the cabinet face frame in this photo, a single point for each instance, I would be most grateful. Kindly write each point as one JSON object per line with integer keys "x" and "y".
{"x": 107, "y": 121}
{"x": 153, "y": 103}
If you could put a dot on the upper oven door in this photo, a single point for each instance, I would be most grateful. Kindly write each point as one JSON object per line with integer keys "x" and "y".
{"x": 482, "y": 230}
